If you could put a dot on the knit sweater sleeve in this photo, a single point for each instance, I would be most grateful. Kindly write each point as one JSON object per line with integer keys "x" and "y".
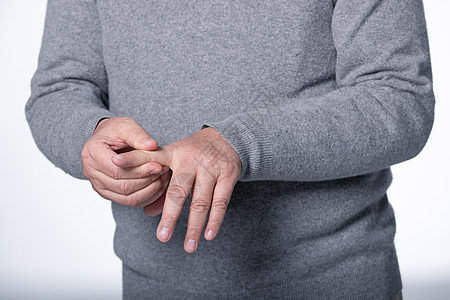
{"x": 380, "y": 114}
{"x": 69, "y": 87}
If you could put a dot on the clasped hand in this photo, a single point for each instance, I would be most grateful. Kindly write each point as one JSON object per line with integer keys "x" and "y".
{"x": 159, "y": 178}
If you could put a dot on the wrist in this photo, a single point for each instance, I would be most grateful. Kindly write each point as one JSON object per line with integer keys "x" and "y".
{"x": 102, "y": 120}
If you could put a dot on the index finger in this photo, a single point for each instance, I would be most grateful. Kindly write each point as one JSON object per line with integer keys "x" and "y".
{"x": 103, "y": 163}
{"x": 138, "y": 157}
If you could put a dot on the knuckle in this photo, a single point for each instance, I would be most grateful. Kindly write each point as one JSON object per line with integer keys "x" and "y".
{"x": 184, "y": 178}
{"x": 176, "y": 192}
{"x": 200, "y": 205}
{"x": 114, "y": 172}
{"x": 215, "y": 223}
{"x": 125, "y": 187}
{"x": 194, "y": 231}
{"x": 220, "y": 204}
{"x": 228, "y": 171}
{"x": 133, "y": 199}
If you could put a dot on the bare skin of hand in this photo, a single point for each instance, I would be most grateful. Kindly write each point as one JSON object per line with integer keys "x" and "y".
{"x": 205, "y": 163}
{"x": 139, "y": 185}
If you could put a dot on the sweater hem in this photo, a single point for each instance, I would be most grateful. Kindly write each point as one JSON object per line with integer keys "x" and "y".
{"x": 376, "y": 281}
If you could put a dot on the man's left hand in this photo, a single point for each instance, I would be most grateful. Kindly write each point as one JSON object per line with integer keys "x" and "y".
{"x": 205, "y": 163}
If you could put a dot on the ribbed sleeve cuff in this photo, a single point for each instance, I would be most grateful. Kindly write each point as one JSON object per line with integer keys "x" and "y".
{"x": 92, "y": 122}
{"x": 251, "y": 142}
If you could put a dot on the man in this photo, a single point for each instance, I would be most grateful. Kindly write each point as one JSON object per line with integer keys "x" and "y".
{"x": 278, "y": 120}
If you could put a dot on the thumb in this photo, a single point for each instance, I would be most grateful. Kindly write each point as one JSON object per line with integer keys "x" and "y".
{"x": 132, "y": 133}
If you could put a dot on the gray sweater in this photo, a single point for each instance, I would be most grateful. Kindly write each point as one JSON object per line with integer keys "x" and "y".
{"x": 318, "y": 97}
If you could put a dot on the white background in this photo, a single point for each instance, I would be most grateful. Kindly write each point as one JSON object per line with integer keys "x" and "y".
{"x": 56, "y": 233}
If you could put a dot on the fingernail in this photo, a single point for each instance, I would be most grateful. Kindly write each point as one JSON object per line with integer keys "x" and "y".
{"x": 119, "y": 157}
{"x": 164, "y": 233}
{"x": 191, "y": 245}
{"x": 210, "y": 235}
{"x": 147, "y": 140}
{"x": 165, "y": 169}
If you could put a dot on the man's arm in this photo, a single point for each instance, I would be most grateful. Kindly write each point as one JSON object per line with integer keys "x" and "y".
{"x": 69, "y": 99}
{"x": 69, "y": 87}
{"x": 381, "y": 113}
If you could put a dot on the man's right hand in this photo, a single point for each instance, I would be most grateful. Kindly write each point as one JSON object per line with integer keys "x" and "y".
{"x": 135, "y": 186}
